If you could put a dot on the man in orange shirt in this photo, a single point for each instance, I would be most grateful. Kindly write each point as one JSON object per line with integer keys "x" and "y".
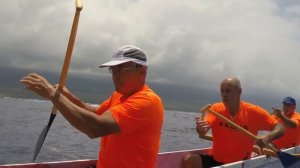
{"x": 291, "y": 120}
{"x": 229, "y": 144}
{"x": 129, "y": 122}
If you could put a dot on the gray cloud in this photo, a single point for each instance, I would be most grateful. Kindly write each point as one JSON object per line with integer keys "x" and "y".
{"x": 196, "y": 44}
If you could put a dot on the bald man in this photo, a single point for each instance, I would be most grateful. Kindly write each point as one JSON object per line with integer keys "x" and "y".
{"x": 229, "y": 144}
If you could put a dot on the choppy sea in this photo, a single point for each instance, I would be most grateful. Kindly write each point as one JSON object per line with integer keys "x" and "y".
{"x": 22, "y": 120}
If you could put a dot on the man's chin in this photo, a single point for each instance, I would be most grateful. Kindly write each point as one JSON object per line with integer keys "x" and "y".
{"x": 119, "y": 91}
{"x": 225, "y": 102}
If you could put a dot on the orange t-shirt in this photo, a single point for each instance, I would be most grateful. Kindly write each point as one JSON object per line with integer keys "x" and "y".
{"x": 140, "y": 119}
{"x": 229, "y": 144}
{"x": 291, "y": 137}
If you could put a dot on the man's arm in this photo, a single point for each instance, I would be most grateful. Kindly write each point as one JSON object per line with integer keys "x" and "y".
{"x": 290, "y": 123}
{"x": 277, "y": 131}
{"x": 89, "y": 123}
{"x": 65, "y": 91}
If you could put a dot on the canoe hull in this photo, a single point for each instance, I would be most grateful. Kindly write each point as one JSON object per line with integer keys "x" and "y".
{"x": 173, "y": 159}
{"x": 165, "y": 160}
{"x": 86, "y": 163}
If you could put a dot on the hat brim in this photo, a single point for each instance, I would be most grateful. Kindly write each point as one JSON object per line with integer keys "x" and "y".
{"x": 121, "y": 61}
{"x": 288, "y": 103}
{"x": 113, "y": 63}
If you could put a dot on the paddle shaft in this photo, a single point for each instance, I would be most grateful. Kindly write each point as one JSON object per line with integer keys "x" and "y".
{"x": 66, "y": 65}
{"x": 246, "y": 132}
{"x": 63, "y": 77}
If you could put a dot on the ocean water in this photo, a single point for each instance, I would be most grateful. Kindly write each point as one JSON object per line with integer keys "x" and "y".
{"x": 22, "y": 120}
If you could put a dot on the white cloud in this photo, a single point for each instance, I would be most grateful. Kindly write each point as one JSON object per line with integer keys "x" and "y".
{"x": 195, "y": 43}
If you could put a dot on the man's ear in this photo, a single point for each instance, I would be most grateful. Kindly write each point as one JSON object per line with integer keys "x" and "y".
{"x": 143, "y": 71}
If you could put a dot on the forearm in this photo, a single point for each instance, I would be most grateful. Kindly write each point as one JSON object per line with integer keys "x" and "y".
{"x": 276, "y": 132}
{"x": 79, "y": 114}
{"x": 206, "y": 137}
{"x": 85, "y": 121}
{"x": 74, "y": 99}
{"x": 290, "y": 123}
{"x": 73, "y": 113}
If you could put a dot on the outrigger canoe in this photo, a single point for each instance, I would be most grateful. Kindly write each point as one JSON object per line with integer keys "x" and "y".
{"x": 166, "y": 160}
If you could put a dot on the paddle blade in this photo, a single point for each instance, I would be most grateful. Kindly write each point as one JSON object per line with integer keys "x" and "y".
{"x": 40, "y": 142}
{"x": 42, "y": 137}
{"x": 288, "y": 160}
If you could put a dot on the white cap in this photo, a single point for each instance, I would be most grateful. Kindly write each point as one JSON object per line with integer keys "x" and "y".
{"x": 127, "y": 53}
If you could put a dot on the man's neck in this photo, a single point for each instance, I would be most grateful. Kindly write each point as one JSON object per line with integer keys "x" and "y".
{"x": 132, "y": 92}
{"x": 289, "y": 114}
{"x": 234, "y": 108}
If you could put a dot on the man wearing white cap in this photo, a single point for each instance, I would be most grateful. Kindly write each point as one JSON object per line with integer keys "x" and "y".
{"x": 129, "y": 122}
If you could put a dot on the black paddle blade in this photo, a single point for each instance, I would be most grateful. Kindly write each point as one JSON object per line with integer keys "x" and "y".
{"x": 42, "y": 137}
{"x": 40, "y": 142}
{"x": 288, "y": 160}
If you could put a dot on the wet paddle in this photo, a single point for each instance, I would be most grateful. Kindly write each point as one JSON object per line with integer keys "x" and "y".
{"x": 287, "y": 160}
{"x": 63, "y": 77}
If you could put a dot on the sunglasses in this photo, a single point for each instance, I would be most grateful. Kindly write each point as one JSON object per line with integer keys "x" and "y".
{"x": 120, "y": 69}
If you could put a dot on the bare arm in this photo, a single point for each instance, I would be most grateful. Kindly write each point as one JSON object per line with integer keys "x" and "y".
{"x": 290, "y": 123}
{"x": 89, "y": 123}
{"x": 277, "y": 131}
{"x": 66, "y": 92}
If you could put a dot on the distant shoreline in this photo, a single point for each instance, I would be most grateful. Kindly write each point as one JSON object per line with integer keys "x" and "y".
{"x": 96, "y": 89}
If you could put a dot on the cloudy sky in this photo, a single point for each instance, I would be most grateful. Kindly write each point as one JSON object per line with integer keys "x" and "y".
{"x": 195, "y": 43}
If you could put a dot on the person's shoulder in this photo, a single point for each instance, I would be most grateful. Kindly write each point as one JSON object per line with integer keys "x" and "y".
{"x": 147, "y": 93}
{"x": 251, "y": 106}
{"x": 247, "y": 104}
{"x": 218, "y": 105}
{"x": 115, "y": 95}
{"x": 296, "y": 114}
{"x": 148, "y": 98}
{"x": 148, "y": 90}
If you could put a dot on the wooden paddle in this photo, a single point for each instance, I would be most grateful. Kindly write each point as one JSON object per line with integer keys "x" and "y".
{"x": 287, "y": 160}
{"x": 63, "y": 76}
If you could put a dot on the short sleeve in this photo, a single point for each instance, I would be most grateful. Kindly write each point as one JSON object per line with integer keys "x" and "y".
{"x": 103, "y": 107}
